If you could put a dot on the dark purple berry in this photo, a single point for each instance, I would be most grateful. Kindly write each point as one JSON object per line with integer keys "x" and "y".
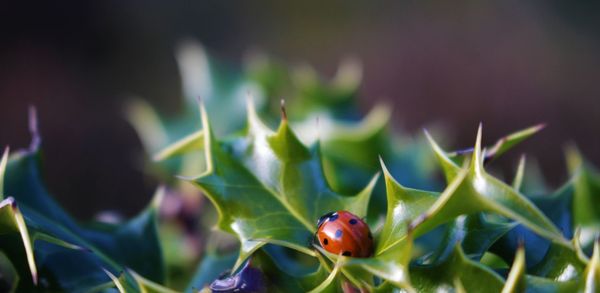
{"x": 246, "y": 280}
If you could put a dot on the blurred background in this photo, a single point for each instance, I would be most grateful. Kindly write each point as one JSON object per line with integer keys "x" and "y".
{"x": 509, "y": 64}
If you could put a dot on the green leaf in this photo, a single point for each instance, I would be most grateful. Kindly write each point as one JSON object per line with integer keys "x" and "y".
{"x": 271, "y": 75}
{"x": 509, "y": 141}
{"x": 222, "y": 89}
{"x": 591, "y": 281}
{"x": 71, "y": 257}
{"x": 11, "y": 219}
{"x": 541, "y": 285}
{"x": 505, "y": 143}
{"x": 479, "y": 233}
{"x": 330, "y": 284}
{"x": 403, "y": 206}
{"x": 188, "y": 144}
{"x": 472, "y": 190}
{"x": 518, "y": 181}
{"x": 130, "y": 281}
{"x": 586, "y": 201}
{"x": 357, "y": 143}
{"x": 561, "y": 263}
{"x": 516, "y": 278}
{"x": 211, "y": 266}
{"x": 556, "y": 260}
{"x": 280, "y": 279}
{"x": 8, "y": 275}
{"x": 443, "y": 275}
{"x": 148, "y": 286}
{"x": 3, "y": 163}
{"x": 268, "y": 187}
{"x": 336, "y": 96}
{"x": 390, "y": 265}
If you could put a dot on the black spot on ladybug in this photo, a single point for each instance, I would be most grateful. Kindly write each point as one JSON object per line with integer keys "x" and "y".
{"x": 338, "y": 233}
{"x": 324, "y": 218}
{"x": 325, "y": 241}
{"x": 353, "y": 221}
{"x": 347, "y": 253}
{"x": 333, "y": 217}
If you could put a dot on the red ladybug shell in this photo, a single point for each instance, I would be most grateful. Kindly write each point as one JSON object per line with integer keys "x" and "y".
{"x": 344, "y": 233}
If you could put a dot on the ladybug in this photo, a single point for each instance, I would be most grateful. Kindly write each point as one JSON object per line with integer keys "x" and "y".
{"x": 344, "y": 233}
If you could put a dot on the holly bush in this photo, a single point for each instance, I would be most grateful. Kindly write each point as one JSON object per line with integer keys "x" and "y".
{"x": 245, "y": 178}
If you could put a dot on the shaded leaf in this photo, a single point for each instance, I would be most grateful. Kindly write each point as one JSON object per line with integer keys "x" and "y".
{"x": 330, "y": 284}
{"x": 71, "y": 257}
{"x": 557, "y": 207}
{"x": 442, "y": 275}
{"x": 8, "y": 275}
{"x": 211, "y": 266}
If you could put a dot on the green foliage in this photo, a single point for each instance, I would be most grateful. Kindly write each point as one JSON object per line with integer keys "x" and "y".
{"x": 269, "y": 171}
{"x": 51, "y": 251}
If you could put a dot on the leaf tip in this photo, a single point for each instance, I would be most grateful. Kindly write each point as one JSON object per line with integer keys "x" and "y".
{"x": 539, "y": 126}
{"x": 35, "y": 278}
{"x": 158, "y": 197}
{"x": 427, "y": 134}
{"x": 479, "y": 134}
{"x": 34, "y": 129}
{"x": 3, "y": 163}
{"x": 386, "y": 172}
{"x": 477, "y": 160}
{"x": 283, "y": 111}
{"x": 436, "y": 148}
{"x": 520, "y": 243}
{"x": 12, "y": 202}
{"x": 573, "y": 157}
{"x": 203, "y": 113}
{"x": 250, "y": 108}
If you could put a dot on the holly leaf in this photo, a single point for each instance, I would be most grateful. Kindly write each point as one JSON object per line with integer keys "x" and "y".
{"x": 480, "y": 233}
{"x": 538, "y": 284}
{"x": 130, "y": 281}
{"x": 66, "y": 255}
{"x": 9, "y": 277}
{"x": 455, "y": 266}
{"x": 515, "y": 282}
{"x": 586, "y": 200}
{"x": 561, "y": 263}
{"x": 268, "y": 187}
{"x": 504, "y": 144}
{"x": 591, "y": 279}
{"x": 471, "y": 190}
{"x": 211, "y": 266}
{"x": 336, "y": 96}
{"x": 403, "y": 206}
{"x": 540, "y": 251}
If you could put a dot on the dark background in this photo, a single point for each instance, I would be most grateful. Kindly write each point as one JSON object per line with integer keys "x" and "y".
{"x": 509, "y": 64}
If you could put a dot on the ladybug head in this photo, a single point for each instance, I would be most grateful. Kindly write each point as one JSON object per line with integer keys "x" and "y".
{"x": 325, "y": 217}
